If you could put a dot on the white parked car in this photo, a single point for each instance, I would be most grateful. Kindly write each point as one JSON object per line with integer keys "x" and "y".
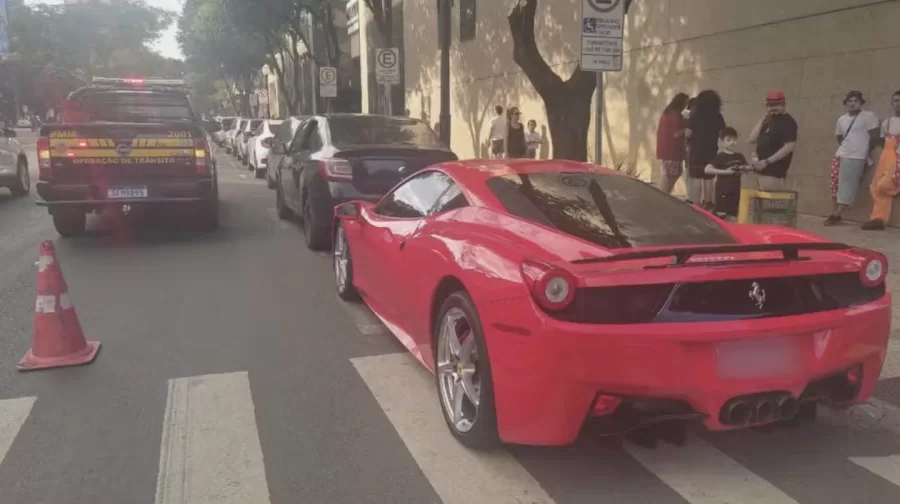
{"x": 23, "y": 123}
{"x": 231, "y": 133}
{"x": 243, "y": 138}
{"x": 283, "y": 135}
{"x": 259, "y": 145}
{"x": 227, "y": 123}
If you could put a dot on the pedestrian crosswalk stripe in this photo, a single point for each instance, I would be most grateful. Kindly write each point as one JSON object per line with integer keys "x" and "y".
{"x": 13, "y": 413}
{"x": 405, "y": 392}
{"x": 701, "y": 474}
{"x": 886, "y": 467}
{"x": 210, "y": 451}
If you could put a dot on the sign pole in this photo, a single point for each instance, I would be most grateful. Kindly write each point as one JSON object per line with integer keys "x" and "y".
{"x": 602, "y": 30}
{"x": 598, "y": 117}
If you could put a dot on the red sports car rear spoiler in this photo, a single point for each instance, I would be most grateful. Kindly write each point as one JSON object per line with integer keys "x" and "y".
{"x": 790, "y": 252}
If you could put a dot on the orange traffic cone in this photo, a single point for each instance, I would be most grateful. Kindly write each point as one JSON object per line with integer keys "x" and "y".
{"x": 58, "y": 340}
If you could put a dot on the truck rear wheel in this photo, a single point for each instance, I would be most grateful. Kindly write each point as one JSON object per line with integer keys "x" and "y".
{"x": 69, "y": 223}
{"x": 208, "y": 216}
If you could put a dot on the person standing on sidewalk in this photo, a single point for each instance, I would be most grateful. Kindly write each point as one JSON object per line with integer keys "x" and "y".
{"x": 670, "y": 147}
{"x": 886, "y": 182}
{"x": 703, "y": 131}
{"x": 857, "y": 136}
{"x": 498, "y": 133}
{"x": 515, "y": 136}
{"x": 532, "y": 139}
{"x": 775, "y": 136}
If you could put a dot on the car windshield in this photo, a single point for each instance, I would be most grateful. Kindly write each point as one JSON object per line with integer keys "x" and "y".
{"x": 381, "y": 130}
{"x": 119, "y": 106}
{"x": 613, "y": 211}
{"x": 227, "y": 123}
{"x": 255, "y": 124}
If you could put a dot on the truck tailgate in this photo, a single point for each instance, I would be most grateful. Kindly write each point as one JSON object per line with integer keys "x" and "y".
{"x": 121, "y": 152}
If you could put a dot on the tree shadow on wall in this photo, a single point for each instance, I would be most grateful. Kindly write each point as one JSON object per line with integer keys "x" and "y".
{"x": 654, "y": 71}
{"x": 484, "y": 73}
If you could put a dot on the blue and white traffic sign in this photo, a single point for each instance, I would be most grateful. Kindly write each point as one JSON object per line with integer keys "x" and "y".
{"x": 602, "y": 30}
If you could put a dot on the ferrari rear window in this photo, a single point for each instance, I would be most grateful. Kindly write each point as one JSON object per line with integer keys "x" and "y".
{"x": 610, "y": 210}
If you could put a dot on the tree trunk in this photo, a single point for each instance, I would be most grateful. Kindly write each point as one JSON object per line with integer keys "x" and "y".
{"x": 568, "y": 103}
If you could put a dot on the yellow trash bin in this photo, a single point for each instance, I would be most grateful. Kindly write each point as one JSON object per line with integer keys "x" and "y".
{"x": 768, "y": 207}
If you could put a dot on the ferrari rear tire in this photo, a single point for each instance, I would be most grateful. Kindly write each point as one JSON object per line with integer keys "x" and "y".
{"x": 463, "y": 374}
{"x": 343, "y": 266}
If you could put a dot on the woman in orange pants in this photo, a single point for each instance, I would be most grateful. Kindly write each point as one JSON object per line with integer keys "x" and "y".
{"x": 886, "y": 182}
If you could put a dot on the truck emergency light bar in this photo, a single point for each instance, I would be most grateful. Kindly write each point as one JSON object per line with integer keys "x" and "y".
{"x": 139, "y": 82}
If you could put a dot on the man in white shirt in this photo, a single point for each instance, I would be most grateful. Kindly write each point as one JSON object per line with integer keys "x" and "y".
{"x": 857, "y": 135}
{"x": 498, "y": 133}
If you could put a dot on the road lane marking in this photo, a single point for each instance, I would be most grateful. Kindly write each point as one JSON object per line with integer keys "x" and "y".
{"x": 405, "y": 391}
{"x": 13, "y": 413}
{"x": 210, "y": 450}
{"x": 701, "y": 474}
{"x": 886, "y": 467}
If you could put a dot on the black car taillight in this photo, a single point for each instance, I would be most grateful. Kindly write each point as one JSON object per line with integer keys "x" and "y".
{"x": 45, "y": 166}
{"x": 338, "y": 170}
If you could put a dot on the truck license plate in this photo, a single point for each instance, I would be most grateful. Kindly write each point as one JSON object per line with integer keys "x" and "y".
{"x": 126, "y": 192}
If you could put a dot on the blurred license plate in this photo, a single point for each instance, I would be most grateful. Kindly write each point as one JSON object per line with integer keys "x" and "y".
{"x": 126, "y": 192}
{"x": 757, "y": 358}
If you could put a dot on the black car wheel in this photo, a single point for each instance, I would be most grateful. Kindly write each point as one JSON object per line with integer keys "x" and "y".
{"x": 69, "y": 223}
{"x": 316, "y": 236}
{"x": 269, "y": 182}
{"x": 22, "y": 185}
{"x": 284, "y": 213}
{"x": 463, "y": 373}
{"x": 343, "y": 266}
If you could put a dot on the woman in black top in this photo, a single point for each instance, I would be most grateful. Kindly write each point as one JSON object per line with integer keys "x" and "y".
{"x": 703, "y": 131}
{"x": 515, "y": 137}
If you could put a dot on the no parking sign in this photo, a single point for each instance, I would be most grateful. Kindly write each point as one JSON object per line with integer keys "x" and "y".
{"x": 387, "y": 66}
{"x": 328, "y": 82}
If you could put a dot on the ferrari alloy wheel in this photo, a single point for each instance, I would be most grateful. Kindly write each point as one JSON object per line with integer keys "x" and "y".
{"x": 463, "y": 374}
{"x": 343, "y": 269}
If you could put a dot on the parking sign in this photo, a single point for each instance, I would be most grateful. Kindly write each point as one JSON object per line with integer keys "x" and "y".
{"x": 387, "y": 66}
{"x": 328, "y": 82}
{"x": 602, "y": 29}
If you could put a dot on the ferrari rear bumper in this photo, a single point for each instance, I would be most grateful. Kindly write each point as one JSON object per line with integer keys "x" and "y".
{"x": 547, "y": 374}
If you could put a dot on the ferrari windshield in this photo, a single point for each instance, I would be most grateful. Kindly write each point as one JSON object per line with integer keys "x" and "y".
{"x": 610, "y": 210}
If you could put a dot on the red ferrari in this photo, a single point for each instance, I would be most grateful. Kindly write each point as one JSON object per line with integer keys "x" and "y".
{"x": 545, "y": 295}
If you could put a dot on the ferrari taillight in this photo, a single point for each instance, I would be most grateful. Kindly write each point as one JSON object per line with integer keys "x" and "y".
{"x": 874, "y": 269}
{"x": 45, "y": 171}
{"x": 201, "y": 156}
{"x": 552, "y": 287}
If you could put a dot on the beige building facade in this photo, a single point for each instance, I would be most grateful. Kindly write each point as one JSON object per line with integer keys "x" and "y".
{"x": 813, "y": 50}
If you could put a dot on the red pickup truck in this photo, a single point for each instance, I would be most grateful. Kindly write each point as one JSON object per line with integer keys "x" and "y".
{"x": 127, "y": 143}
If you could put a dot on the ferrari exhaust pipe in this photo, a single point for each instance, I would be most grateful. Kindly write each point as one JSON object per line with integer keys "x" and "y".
{"x": 765, "y": 410}
{"x": 788, "y": 408}
{"x": 738, "y": 413}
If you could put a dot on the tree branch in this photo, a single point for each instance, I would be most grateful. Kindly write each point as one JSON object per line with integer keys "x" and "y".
{"x": 525, "y": 50}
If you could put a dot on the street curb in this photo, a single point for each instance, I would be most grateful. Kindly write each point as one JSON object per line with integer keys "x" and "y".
{"x": 873, "y": 415}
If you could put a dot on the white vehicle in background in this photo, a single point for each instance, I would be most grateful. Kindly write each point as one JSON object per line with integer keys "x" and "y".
{"x": 244, "y": 138}
{"x": 226, "y": 123}
{"x": 259, "y": 145}
{"x": 231, "y": 134}
{"x": 283, "y": 135}
{"x": 23, "y": 123}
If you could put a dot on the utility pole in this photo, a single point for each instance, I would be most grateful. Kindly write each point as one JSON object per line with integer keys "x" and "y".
{"x": 444, "y": 30}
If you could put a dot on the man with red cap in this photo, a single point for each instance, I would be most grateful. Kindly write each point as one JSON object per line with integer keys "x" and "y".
{"x": 775, "y": 136}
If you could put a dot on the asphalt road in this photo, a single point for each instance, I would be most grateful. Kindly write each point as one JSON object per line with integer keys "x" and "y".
{"x": 231, "y": 373}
